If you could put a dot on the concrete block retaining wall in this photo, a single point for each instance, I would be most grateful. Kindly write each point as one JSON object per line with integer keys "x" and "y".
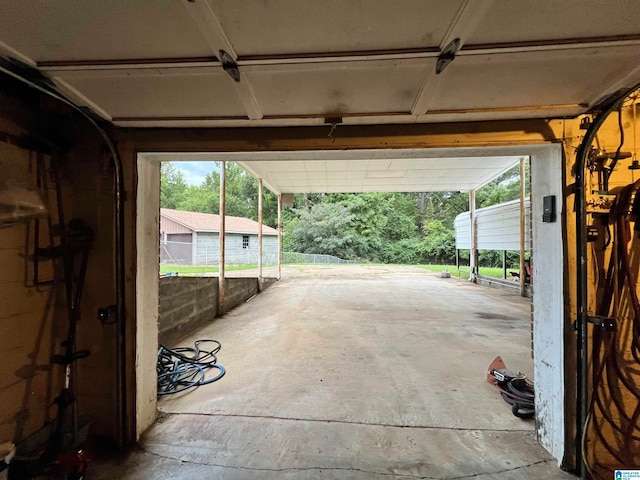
{"x": 238, "y": 290}
{"x": 188, "y": 303}
{"x": 501, "y": 284}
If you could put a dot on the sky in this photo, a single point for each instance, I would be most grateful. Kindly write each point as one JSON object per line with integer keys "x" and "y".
{"x": 194, "y": 172}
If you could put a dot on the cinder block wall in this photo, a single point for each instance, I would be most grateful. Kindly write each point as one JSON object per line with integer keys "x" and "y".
{"x": 238, "y": 290}
{"x": 186, "y": 304}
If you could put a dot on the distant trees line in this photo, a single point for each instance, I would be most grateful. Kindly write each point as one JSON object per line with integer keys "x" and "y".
{"x": 407, "y": 228}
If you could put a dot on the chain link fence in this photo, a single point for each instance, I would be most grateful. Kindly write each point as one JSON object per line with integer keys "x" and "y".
{"x": 241, "y": 252}
{"x": 294, "y": 257}
{"x": 238, "y": 251}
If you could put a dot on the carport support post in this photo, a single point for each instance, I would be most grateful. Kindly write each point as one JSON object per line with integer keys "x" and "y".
{"x": 260, "y": 235}
{"x": 279, "y": 236}
{"x": 504, "y": 264}
{"x": 473, "y": 254}
{"x": 523, "y": 274}
{"x": 223, "y": 203}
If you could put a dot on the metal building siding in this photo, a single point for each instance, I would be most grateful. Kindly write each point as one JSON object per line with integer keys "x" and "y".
{"x": 169, "y": 226}
{"x": 498, "y": 227}
{"x": 462, "y": 226}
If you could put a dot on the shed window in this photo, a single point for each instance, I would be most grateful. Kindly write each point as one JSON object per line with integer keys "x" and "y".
{"x": 245, "y": 241}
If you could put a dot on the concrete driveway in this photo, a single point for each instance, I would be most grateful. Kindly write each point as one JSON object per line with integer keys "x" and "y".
{"x": 353, "y": 372}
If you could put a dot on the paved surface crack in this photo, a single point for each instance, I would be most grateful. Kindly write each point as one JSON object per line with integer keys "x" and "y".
{"x": 477, "y": 475}
{"x": 350, "y": 422}
{"x": 348, "y": 469}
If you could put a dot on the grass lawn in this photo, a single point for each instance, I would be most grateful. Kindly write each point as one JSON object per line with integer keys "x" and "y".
{"x": 196, "y": 269}
{"x": 464, "y": 273}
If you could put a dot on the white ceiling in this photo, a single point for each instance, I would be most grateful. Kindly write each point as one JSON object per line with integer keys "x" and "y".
{"x": 380, "y": 175}
{"x": 155, "y": 62}
{"x": 403, "y": 170}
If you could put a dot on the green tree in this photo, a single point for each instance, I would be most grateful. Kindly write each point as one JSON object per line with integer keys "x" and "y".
{"x": 204, "y": 198}
{"x": 325, "y": 229}
{"x": 241, "y": 194}
{"x": 398, "y": 227}
{"x": 439, "y": 243}
{"x": 505, "y": 188}
{"x": 403, "y": 219}
{"x": 173, "y": 188}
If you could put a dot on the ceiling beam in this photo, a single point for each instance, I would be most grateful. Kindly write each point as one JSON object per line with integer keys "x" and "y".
{"x": 550, "y": 45}
{"x": 210, "y": 27}
{"x": 353, "y": 118}
{"x": 347, "y": 57}
{"x": 80, "y": 99}
{"x": 207, "y": 21}
{"x": 10, "y": 52}
{"x": 625, "y": 82}
{"x": 466, "y": 20}
{"x": 127, "y": 64}
{"x": 441, "y": 135}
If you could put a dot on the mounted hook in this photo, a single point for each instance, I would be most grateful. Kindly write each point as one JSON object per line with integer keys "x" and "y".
{"x": 334, "y": 122}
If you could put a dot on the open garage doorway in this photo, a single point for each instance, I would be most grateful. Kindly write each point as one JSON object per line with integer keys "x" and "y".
{"x": 548, "y": 325}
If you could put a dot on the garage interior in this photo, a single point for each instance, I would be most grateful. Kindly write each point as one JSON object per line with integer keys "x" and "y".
{"x": 90, "y": 94}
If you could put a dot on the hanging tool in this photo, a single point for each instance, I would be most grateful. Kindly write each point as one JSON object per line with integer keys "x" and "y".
{"x": 76, "y": 242}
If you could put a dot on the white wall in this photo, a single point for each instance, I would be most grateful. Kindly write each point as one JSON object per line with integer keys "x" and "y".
{"x": 498, "y": 227}
{"x": 147, "y": 285}
{"x": 548, "y": 300}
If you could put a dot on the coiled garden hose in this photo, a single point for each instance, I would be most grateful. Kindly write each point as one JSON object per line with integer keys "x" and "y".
{"x": 182, "y": 368}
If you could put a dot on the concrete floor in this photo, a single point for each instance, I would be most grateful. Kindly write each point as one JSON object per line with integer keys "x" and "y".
{"x": 352, "y": 372}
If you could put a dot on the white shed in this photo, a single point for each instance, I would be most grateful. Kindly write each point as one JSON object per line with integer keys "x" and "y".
{"x": 497, "y": 226}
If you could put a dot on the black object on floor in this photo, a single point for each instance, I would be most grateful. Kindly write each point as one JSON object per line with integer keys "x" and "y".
{"x": 182, "y": 368}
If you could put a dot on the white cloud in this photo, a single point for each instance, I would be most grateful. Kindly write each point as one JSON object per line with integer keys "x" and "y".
{"x": 195, "y": 172}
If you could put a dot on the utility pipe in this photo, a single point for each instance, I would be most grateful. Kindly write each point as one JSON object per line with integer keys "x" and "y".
{"x": 221, "y": 235}
{"x": 523, "y": 273}
{"x": 279, "y": 236}
{"x": 118, "y": 226}
{"x": 581, "y": 273}
{"x": 504, "y": 264}
{"x": 260, "y": 234}
{"x": 473, "y": 253}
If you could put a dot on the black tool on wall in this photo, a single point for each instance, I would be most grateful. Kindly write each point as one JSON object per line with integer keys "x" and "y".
{"x": 76, "y": 243}
{"x": 549, "y": 209}
{"x": 61, "y": 451}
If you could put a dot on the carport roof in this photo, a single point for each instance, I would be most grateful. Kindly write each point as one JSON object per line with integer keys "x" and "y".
{"x": 159, "y": 63}
{"x": 376, "y": 171}
{"x": 353, "y": 171}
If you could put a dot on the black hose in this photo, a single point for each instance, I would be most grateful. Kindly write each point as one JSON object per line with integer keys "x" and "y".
{"x": 182, "y": 368}
{"x": 582, "y": 366}
{"x": 616, "y": 157}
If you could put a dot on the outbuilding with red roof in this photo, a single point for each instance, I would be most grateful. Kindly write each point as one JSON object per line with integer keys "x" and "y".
{"x": 192, "y": 238}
